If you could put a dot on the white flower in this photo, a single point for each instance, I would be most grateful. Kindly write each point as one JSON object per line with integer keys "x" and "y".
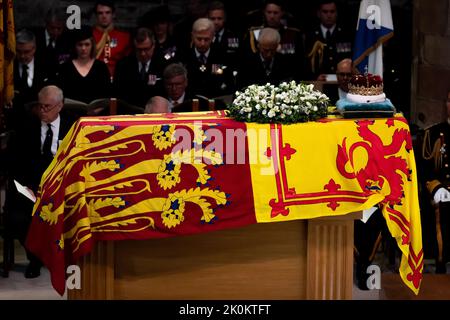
{"x": 282, "y": 103}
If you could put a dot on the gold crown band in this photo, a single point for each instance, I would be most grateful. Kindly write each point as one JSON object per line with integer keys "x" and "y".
{"x": 365, "y": 91}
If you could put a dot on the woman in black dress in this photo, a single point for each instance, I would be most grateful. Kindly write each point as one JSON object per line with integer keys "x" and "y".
{"x": 84, "y": 78}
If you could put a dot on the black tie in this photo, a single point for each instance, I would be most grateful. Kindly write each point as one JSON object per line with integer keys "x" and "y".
{"x": 202, "y": 58}
{"x": 24, "y": 79}
{"x": 217, "y": 39}
{"x": 328, "y": 35}
{"x": 50, "y": 45}
{"x": 143, "y": 73}
{"x": 267, "y": 64}
{"x": 47, "y": 148}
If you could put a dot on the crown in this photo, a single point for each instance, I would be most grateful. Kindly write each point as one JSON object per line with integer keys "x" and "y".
{"x": 366, "y": 85}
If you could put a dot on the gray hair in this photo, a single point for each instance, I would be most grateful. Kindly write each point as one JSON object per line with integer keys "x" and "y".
{"x": 25, "y": 36}
{"x": 173, "y": 70}
{"x": 269, "y": 35}
{"x": 203, "y": 24}
{"x": 157, "y": 101}
{"x": 53, "y": 91}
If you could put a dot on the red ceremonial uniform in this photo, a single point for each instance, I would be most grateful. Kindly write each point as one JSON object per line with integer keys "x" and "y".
{"x": 116, "y": 46}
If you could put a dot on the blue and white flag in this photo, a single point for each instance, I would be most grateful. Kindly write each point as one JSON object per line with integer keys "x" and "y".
{"x": 374, "y": 28}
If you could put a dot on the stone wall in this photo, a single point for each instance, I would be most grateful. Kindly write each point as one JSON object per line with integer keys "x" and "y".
{"x": 30, "y": 13}
{"x": 431, "y": 64}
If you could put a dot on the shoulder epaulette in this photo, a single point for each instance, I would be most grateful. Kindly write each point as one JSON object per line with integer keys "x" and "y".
{"x": 255, "y": 28}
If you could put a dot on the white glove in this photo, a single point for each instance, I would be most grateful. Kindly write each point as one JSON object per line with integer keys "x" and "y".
{"x": 442, "y": 195}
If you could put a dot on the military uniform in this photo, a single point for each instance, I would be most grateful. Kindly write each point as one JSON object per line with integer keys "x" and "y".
{"x": 322, "y": 54}
{"x": 436, "y": 153}
{"x": 112, "y": 46}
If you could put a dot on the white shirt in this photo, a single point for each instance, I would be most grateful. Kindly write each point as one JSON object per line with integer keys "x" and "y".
{"x": 324, "y": 30}
{"x": 197, "y": 54}
{"x": 220, "y": 33}
{"x": 146, "y": 65}
{"x": 179, "y": 101}
{"x": 47, "y": 39}
{"x": 55, "y": 128}
{"x": 30, "y": 72}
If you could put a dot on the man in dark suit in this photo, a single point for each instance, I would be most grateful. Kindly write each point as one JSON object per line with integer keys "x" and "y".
{"x": 209, "y": 71}
{"x": 177, "y": 91}
{"x": 225, "y": 41}
{"x": 267, "y": 65}
{"x": 52, "y": 41}
{"x": 30, "y": 76}
{"x": 138, "y": 77}
{"x": 31, "y": 150}
{"x": 327, "y": 43}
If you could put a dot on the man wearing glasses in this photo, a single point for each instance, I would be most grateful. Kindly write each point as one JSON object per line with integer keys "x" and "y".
{"x": 138, "y": 76}
{"x": 31, "y": 150}
{"x": 343, "y": 75}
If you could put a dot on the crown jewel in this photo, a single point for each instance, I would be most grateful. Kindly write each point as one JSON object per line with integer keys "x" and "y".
{"x": 366, "y": 85}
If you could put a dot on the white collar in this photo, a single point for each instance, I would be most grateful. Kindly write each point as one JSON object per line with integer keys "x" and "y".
{"x": 54, "y": 124}
{"x": 47, "y": 38}
{"x": 197, "y": 53}
{"x": 325, "y": 29}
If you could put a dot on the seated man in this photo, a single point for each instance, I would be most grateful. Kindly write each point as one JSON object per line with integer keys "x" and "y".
{"x": 343, "y": 75}
{"x": 209, "y": 71}
{"x": 267, "y": 65}
{"x": 157, "y": 104}
{"x": 30, "y": 151}
{"x": 175, "y": 79}
{"x": 138, "y": 76}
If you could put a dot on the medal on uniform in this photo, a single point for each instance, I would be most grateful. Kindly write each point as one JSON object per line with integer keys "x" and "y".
{"x": 202, "y": 68}
{"x": 170, "y": 53}
{"x": 233, "y": 42}
{"x": 151, "y": 81}
{"x": 113, "y": 43}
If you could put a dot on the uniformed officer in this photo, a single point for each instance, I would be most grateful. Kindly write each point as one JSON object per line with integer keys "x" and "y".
{"x": 436, "y": 151}
{"x": 327, "y": 43}
{"x": 291, "y": 39}
{"x": 111, "y": 43}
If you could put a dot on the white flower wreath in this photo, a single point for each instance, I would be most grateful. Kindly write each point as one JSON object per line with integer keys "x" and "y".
{"x": 287, "y": 103}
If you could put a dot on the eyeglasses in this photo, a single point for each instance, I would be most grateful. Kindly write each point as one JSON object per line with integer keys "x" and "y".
{"x": 345, "y": 74}
{"x": 47, "y": 107}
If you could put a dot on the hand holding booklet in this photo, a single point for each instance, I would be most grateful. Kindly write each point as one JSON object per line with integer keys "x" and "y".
{"x": 25, "y": 191}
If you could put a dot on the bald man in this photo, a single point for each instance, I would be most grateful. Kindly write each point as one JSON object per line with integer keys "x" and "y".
{"x": 343, "y": 74}
{"x": 157, "y": 104}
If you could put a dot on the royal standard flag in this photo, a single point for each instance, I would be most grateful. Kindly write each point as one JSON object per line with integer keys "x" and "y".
{"x": 153, "y": 176}
{"x": 374, "y": 28}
